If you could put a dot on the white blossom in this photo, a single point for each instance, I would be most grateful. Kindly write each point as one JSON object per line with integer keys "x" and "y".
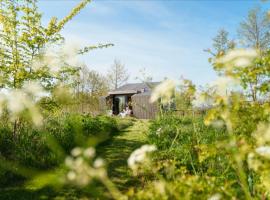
{"x": 71, "y": 175}
{"x": 238, "y": 58}
{"x": 138, "y": 156}
{"x": 99, "y": 162}
{"x": 215, "y": 197}
{"x": 82, "y": 168}
{"x": 89, "y": 152}
{"x": 263, "y": 151}
{"x": 224, "y": 85}
{"x": 76, "y": 152}
{"x": 163, "y": 91}
{"x": 158, "y": 132}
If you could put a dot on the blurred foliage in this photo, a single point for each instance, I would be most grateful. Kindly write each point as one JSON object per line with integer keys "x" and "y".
{"x": 45, "y": 147}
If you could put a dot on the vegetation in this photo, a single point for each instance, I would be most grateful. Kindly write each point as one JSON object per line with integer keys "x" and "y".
{"x": 52, "y": 147}
{"x": 117, "y": 75}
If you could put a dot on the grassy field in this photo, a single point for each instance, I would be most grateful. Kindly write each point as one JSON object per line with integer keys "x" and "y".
{"x": 115, "y": 152}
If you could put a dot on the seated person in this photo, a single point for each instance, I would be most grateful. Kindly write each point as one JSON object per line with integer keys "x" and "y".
{"x": 123, "y": 113}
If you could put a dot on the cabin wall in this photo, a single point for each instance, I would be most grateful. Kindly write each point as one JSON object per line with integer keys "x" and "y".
{"x": 142, "y": 109}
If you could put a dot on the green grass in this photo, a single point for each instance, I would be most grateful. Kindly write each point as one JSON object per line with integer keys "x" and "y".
{"x": 115, "y": 152}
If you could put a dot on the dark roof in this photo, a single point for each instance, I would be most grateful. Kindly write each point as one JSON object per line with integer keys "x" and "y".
{"x": 133, "y": 88}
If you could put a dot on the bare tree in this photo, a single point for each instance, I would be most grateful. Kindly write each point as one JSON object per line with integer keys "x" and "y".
{"x": 91, "y": 82}
{"x": 117, "y": 75}
{"x": 89, "y": 86}
{"x": 254, "y": 31}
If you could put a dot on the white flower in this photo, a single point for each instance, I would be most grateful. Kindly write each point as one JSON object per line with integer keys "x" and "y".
{"x": 71, "y": 176}
{"x": 163, "y": 91}
{"x": 89, "y": 152}
{"x": 215, "y": 197}
{"x": 238, "y": 58}
{"x": 81, "y": 168}
{"x": 76, "y": 151}
{"x": 33, "y": 88}
{"x": 262, "y": 134}
{"x": 99, "y": 163}
{"x": 263, "y": 151}
{"x": 158, "y": 132}
{"x": 69, "y": 161}
{"x": 224, "y": 85}
{"x": 139, "y": 155}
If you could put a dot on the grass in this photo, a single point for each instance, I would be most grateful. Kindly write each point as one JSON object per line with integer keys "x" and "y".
{"x": 115, "y": 152}
{"x": 118, "y": 150}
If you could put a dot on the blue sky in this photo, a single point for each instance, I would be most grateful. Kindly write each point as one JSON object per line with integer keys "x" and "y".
{"x": 166, "y": 38}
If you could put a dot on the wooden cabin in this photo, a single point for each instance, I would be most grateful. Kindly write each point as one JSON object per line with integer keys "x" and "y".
{"x": 135, "y": 96}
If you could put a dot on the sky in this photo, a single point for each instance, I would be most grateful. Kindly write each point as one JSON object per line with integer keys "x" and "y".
{"x": 164, "y": 38}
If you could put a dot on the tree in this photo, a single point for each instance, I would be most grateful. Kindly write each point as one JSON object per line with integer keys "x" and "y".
{"x": 24, "y": 39}
{"x": 221, "y": 45}
{"x": 117, "y": 75}
{"x": 89, "y": 87}
{"x": 254, "y": 31}
{"x": 91, "y": 82}
{"x": 185, "y": 94}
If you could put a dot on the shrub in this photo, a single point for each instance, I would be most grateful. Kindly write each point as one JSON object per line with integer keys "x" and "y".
{"x": 30, "y": 147}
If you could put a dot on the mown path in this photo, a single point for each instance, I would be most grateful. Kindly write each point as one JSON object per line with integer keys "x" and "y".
{"x": 119, "y": 149}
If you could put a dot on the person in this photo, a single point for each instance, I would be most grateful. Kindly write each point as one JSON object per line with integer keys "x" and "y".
{"x": 123, "y": 113}
{"x": 128, "y": 111}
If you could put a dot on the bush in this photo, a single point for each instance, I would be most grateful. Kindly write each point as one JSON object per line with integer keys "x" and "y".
{"x": 30, "y": 147}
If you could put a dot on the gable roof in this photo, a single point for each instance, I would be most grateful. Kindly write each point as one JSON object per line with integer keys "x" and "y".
{"x": 134, "y": 88}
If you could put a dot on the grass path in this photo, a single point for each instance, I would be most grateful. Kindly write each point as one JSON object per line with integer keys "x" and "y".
{"x": 118, "y": 150}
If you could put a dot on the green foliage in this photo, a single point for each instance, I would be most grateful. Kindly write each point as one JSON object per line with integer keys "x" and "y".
{"x": 253, "y": 33}
{"x": 23, "y": 39}
{"x": 37, "y": 147}
{"x": 182, "y": 137}
{"x": 184, "y": 95}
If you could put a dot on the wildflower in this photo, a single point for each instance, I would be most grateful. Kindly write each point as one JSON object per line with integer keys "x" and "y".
{"x": 263, "y": 151}
{"x": 158, "y": 132}
{"x": 138, "y": 156}
{"x": 224, "y": 85}
{"x": 33, "y": 88}
{"x": 89, "y": 152}
{"x": 82, "y": 168}
{"x": 238, "y": 58}
{"x": 69, "y": 161}
{"x": 215, "y": 197}
{"x": 163, "y": 91}
{"x": 98, "y": 163}
{"x": 76, "y": 152}
{"x": 262, "y": 134}
{"x": 71, "y": 175}
{"x": 253, "y": 163}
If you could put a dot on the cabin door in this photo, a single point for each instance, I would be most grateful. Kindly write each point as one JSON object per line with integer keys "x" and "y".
{"x": 119, "y": 104}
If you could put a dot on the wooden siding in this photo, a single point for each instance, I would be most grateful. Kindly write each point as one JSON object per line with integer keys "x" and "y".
{"x": 141, "y": 107}
{"x": 102, "y": 104}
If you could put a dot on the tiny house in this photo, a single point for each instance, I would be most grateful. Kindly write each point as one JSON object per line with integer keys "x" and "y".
{"x": 133, "y": 96}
